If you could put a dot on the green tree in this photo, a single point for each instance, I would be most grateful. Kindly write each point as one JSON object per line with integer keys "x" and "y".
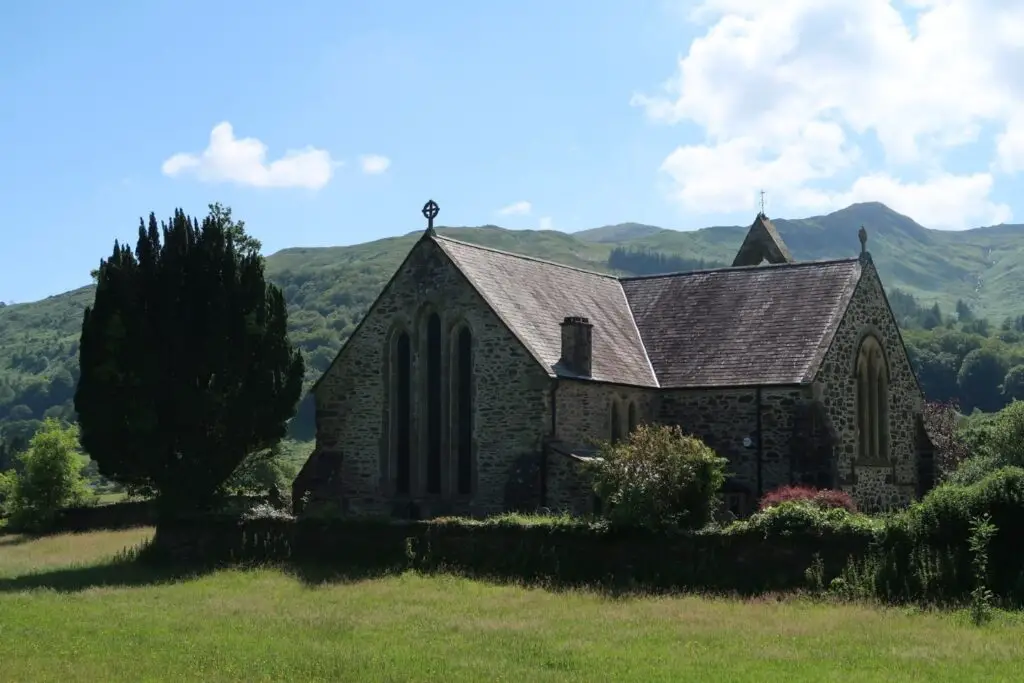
{"x": 980, "y": 377}
{"x": 1013, "y": 384}
{"x": 50, "y": 477}
{"x": 1006, "y": 442}
{"x": 658, "y": 477}
{"x": 963, "y": 311}
{"x": 186, "y": 366}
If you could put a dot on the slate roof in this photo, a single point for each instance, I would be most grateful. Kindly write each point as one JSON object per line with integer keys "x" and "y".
{"x": 741, "y": 326}
{"x": 533, "y": 297}
{"x": 761, "y": 325}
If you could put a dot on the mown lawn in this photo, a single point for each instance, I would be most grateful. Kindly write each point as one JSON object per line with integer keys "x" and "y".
{"x": 59, "y": 622}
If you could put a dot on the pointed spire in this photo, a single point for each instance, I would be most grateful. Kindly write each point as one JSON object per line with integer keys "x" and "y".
{"x": 430, "y": 211}
{"x": 762, "y": 243}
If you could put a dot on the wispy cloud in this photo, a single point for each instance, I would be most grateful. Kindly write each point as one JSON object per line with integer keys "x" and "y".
{"x": 518, "y": 209}
{"x": 374, "y": 164}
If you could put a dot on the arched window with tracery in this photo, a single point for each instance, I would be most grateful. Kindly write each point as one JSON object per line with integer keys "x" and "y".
{"x": 616, "y": 424}
{"x": 401, "y": 413}
{"x": 872, "y": 376}
{"x": 433, "y": 404}
{"x": 462, "y": 434}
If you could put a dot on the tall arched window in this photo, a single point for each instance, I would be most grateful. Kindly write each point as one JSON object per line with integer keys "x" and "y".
{"x": 872, "y": 401}
{"x": 433, "y": 404}
{"x": 616, "y": 425}
{"x": 631, "y": 422}
{"x": 463, "y": 432}
{"x": 402, "y": 413}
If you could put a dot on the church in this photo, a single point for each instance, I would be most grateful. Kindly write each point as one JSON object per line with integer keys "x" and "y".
{"x": 479, "y": 380}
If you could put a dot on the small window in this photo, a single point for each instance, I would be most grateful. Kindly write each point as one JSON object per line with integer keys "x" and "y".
{"x": 616, "y": 426}
{"x": 632, "y": 417}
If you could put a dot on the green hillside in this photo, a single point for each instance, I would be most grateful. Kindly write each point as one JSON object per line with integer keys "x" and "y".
{"x": 329, "y": 289}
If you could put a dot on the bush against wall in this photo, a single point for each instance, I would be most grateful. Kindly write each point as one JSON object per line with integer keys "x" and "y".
{"x": 820, "y": 498}
{"x": 658, "y": 477}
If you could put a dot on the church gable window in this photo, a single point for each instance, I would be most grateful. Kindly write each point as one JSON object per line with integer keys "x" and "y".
{"x": 872, "y": 378}
{"x": 462, "y": 385}
{"x": 401, "y": 412}
{"x": 433, "y": 404}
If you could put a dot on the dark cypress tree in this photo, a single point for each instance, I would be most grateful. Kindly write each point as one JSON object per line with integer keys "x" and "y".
{"x": 186, "y": 366}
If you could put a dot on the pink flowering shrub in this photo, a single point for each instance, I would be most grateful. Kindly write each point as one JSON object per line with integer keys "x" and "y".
{"x": 822, "y": 498}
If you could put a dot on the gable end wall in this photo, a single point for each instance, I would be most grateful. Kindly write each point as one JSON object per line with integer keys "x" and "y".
{"x": 874, "y": 485}
{"x": 512, "y": 411}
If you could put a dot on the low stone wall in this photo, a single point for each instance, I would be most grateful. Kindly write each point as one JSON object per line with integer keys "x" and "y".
{"x": 560, "y": 555}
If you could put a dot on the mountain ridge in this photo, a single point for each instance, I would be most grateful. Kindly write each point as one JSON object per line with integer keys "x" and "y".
{"x": 328, "y": 289}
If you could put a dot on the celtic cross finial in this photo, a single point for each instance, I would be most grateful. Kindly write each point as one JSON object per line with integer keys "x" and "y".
{"x": 430, "y": 211}
{"x": 862, "y": 235}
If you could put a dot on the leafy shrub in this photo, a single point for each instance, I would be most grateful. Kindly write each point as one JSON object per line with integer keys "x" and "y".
{"x": 973, "y": 469}
{"x": 926, "y": 552}
{"x": 803, "y": 517}
{"x": 658, "y": 477}
{"x": 821, "y": 498}
{"x": 50, "y": 477}
{"x": 266, "y": 511}
{"x": 7, "y": 484}
{"x": 1007, "y": 438}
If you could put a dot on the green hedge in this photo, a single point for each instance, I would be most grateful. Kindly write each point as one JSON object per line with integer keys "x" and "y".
{"x": 540, "y": 550}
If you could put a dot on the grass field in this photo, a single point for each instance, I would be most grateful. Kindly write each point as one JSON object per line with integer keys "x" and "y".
{"x": 68, "y": 613}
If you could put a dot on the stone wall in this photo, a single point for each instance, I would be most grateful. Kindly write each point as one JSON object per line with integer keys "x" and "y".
{"x": 584, "y": 409}
{"x": 512, "y": 410}
{"x": 584, "y": 416}
{"x": 874, "y": 485}
{"x": 723, "y": 418}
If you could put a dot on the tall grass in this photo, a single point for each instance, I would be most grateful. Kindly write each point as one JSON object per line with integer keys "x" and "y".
{"x": 71, "y": 614}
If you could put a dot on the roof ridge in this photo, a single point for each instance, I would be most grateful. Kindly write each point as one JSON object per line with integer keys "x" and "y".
{"x": 798, "y": 264}
{"x": 523, "y": 256}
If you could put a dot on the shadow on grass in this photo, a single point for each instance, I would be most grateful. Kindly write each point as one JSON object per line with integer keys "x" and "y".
{"x": 315, "y": 575}
{"x": 10, "y": 540}
{"x": 127, "y": 573}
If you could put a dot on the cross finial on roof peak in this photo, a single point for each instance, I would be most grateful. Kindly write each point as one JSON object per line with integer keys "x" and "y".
{"x": 762, "y": 213}
{"x": 430, "y": 211}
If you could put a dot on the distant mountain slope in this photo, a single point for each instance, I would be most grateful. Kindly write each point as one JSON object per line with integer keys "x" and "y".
{"x": 328, "y": 289}
{"x": 623, "y": 232}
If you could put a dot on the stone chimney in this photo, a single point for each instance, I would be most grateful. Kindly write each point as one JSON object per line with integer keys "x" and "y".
{"x": 577, "y": 345}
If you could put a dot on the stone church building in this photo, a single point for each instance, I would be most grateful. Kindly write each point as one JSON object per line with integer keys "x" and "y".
{"x": 480, "y": 379}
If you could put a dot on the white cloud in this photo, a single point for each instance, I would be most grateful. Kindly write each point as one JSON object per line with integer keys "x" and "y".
{"x": 243, "y": 161}
{"x": 1010, "y": 146}
{"x": 516, "y": 209}
{"x": 546, "y": 223}
{"x": 783, "y": 90}
{"x": 374, "y": 164}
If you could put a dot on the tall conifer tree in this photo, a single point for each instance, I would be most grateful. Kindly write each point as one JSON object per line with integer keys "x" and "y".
{"x": 186, "y": 366}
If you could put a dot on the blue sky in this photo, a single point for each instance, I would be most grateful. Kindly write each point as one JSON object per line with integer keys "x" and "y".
{"x": 568, "y": 114}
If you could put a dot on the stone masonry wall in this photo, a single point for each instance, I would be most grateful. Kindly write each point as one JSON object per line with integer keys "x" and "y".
{"x": 723, "y": 418}
{"x": 512, "y": 410}
{"x": 584, "y": 417}
{"x": 875, "y": 486}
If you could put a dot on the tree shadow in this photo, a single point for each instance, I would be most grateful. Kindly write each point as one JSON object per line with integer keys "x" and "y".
{"x": 314, "y": 575}
{"x": 117, "y": 574}
{"x": 11, "y": 540}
